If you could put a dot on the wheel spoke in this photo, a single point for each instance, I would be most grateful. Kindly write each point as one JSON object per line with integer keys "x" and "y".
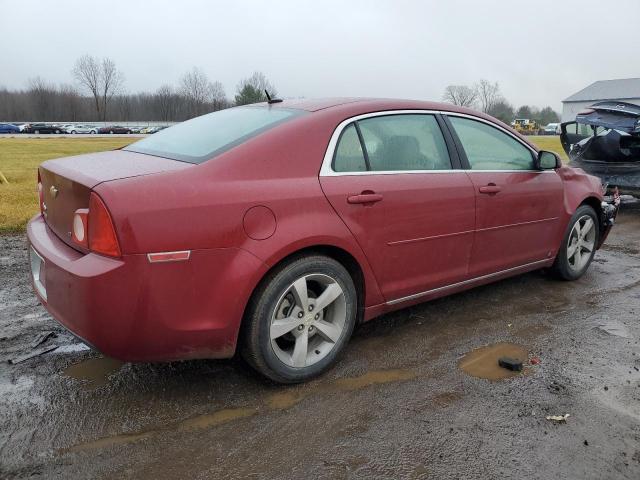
{"x": 588, "y": 246}
{"x": 577, "y": 259}
{"x": 572, "y": 249}
{"x": 587, "y": 227}
{"x": 299, "y": 355}
{"x": 328, "y": 331}
{"x": 327, "y": 297}
{"x": 283, "y": 326}
{"x": 300, "y": 292}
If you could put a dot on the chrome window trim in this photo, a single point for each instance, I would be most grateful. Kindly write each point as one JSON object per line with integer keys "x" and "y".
{"x": 327, "y": 171}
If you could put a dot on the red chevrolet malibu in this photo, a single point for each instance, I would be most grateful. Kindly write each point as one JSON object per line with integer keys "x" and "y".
{"x": 276, "y": 228}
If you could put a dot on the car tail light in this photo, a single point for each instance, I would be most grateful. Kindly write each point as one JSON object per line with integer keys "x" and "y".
{"x": 101, "y": 233}
{"x": 40, "y": 194}
{"x": 93, "y": 228}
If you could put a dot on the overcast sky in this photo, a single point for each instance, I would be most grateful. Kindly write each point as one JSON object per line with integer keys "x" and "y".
{"x": 538, "y": 51}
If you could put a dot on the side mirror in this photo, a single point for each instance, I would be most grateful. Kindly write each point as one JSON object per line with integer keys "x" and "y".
{"x": 547, "y": 161}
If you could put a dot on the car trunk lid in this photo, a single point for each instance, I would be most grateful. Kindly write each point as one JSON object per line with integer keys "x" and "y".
{"x": 67, "y": 182}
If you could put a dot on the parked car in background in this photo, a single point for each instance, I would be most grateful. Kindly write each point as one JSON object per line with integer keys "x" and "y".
{"x": 114, "y": 129}
{"x": 21, "y": 126}
{"x": 552, "y": 129}
{"x": 149, "y": 129}
{"x": 74, "y": 129}
{"x": 8, "y": 128}
{"x": 135, "y": 129}
{"x": 274, "y": 229}
{"x": 604, "y": 140}
{"x": 39, "y": 128}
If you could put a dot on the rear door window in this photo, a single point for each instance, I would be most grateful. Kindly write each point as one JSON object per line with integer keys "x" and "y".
{"x": 349, "y": 156}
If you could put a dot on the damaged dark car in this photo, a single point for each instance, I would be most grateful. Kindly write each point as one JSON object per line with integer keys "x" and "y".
{"x": 604, "y": 140}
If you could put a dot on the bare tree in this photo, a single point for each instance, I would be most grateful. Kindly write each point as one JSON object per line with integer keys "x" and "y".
{"x": 41, "y": 95}
{"x": 165, "y": 100}
{"x": 488, "y": 94}
{"x": 196, "y": 87}
{"x": 218, "y": 97}
{"x": 100, "y": 78}
{"x": 460, "y": 95}
{"x": 112, "y": 80}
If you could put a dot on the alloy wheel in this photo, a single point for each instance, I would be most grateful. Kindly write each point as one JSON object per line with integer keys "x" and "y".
{"x": 308, "y": 320}
{"x": 581, "y": 244}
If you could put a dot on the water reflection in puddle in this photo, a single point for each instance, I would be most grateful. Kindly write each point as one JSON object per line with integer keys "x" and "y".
{"x": 94, "y": 372}
{"x": 483, "y": 362}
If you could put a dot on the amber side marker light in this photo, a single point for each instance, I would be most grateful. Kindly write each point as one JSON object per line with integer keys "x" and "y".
{"x": 93, "y": 228}
{"x": 169, "y": 256}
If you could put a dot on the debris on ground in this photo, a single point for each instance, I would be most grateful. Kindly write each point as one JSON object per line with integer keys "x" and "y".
{"x": 534, "y": 361}
{"x": 33, "y": 353}
{"x": 40, "y": 339}
{"x": 558, "y": 418}
{"x": 510, "y": 363}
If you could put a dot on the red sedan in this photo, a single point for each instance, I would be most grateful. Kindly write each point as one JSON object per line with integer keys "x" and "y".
{"x": 276, "y": 228}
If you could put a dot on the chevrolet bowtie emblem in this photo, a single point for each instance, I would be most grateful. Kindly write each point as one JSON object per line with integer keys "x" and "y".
{"x": 54, "y": 191}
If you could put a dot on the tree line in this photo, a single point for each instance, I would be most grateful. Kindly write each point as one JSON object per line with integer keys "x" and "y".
{"x": 486, "y": 97}
{"x": 99, "y": 94}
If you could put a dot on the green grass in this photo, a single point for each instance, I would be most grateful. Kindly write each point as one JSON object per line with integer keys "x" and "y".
{"x": 19, "y": 160}
{"x": 20, "y": 157}
{"x": 551, "y": 143}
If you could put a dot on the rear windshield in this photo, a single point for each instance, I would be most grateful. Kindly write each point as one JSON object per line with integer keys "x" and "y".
{"x": 202, "y": 138}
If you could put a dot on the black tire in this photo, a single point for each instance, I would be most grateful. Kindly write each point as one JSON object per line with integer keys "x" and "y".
{"x": 256, "y": 345}
{"x": 562, "y": 268}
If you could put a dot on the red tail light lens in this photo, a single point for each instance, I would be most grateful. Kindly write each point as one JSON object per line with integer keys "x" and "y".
{"x": 102, "y": 234}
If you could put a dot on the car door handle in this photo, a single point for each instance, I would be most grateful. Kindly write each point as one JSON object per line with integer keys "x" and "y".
{"x": 492, "y": 188}
{"x": 364, "y": 198}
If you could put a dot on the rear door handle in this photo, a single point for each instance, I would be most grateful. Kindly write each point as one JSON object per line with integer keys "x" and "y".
{"x": 364, "y": 198}
{"x": 492, "y": 188}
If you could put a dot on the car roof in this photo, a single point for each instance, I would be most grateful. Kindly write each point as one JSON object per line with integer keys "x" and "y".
{"x": 367, "y": 104}
{"x": 353, "y": 106}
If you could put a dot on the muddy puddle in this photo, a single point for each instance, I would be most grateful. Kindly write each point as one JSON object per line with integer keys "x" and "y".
{"x": 483, "y": 362}
{"x": 277, "y": 401}
{"x": 93, "y": 372}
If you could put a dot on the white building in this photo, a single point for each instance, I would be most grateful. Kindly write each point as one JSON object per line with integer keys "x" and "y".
{"x": 622, "y": 90}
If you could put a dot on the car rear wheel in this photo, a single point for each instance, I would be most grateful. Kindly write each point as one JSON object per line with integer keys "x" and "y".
{"x": 300, "y": 319}
{"x": 578, "y": 245}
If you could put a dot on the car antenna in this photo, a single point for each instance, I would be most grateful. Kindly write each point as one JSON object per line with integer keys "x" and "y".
{"x": 271, "y": 100}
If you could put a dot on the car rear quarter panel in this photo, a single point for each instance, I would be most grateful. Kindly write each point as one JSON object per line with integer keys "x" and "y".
{"x": 202, "y": 207}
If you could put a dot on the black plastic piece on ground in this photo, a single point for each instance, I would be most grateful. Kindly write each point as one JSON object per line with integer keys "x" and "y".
{"x": 510, "y": 364}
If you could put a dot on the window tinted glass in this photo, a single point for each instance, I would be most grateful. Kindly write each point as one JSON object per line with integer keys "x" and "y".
{"x": 404, "y": 142}
{"x": 201, "y": 138}
{"x": 488, "y": 148}
{"x": 349, "y": 156}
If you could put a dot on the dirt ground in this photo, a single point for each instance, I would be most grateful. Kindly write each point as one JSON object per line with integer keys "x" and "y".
{"x": 398, "y": 404}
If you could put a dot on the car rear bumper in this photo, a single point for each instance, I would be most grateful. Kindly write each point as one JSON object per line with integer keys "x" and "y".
{"x": 134, "y": 310}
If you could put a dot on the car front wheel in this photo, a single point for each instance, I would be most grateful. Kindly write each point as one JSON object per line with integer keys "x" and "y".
{"x": 299, "y": 319}
{"x": 578, "y": 245}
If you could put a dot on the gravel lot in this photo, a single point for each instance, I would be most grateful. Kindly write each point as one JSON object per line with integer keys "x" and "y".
{"x": 396, "y": 406}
